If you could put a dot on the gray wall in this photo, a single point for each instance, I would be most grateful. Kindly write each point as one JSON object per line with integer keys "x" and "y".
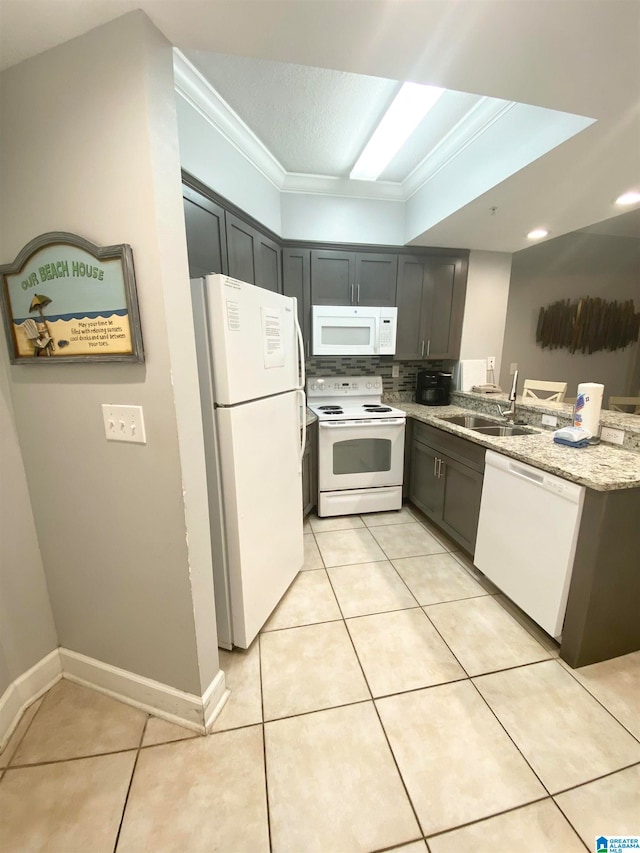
{"x": 27, "y": 632}
{"x": 93, "y": 149}
{"x": 575, "y": 265}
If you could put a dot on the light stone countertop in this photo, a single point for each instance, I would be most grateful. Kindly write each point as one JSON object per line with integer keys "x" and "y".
{"x": 603, "y": 467}
{"x": 311, "y": 418}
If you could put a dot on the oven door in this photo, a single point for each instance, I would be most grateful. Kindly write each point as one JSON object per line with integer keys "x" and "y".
{"x": 360, "y": 454}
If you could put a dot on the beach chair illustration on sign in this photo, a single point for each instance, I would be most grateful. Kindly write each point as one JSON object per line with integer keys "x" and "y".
{"x": 36, "y": 330}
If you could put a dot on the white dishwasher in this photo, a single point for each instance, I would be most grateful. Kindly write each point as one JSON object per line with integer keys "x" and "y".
{"x": 527, "y": 533}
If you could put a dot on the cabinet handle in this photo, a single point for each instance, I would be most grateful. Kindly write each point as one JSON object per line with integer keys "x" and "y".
{"x": 308, "y": 349}
{"x": 351, "y": 287}
{"x": 428, "y": 347}
{"x": 435, "y": 466}
{"x": 358, "y": 296}
{"x": 422, "y": 350}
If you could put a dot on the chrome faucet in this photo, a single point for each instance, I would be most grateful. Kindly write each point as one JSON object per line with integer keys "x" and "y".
{"x": 510, "y": 413}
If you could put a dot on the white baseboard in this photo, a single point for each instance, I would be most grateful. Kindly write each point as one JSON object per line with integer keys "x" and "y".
{"x": 214, "y": 699}
{"x": 25, "y": 690}
{"x": 184, "y": 709}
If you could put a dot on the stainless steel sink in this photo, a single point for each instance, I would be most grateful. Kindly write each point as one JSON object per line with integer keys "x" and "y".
{"x": 498, "y": 429}
{"x": 470, "y": 421}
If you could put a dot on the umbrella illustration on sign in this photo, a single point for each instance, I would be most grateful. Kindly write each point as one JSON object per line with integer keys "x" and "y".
{"x": 42, "y": 340}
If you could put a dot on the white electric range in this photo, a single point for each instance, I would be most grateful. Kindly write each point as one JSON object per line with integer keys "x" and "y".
{"x": 360, "y": 445}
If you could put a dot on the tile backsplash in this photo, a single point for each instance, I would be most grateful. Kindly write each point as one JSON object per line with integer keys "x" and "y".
{"x": 368, "y": 365}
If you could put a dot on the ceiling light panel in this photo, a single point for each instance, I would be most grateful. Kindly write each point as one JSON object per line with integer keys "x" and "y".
{"x": 408, "y": 109}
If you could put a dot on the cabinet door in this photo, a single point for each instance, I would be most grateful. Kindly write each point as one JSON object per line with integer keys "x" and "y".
{"x": 376, "y": 279}
{"x": 461, "y": 503}
{"x": 296, "y": 281}
{"x": 446, "y": 288}
{"x": 268, "y": 263}
{"x": 206, "y": 234}
{"x": 426, "y": 489}
{"x": 332, "y": 277}
{"x": 241, "y": 249}
{"x": 411, "y": 308}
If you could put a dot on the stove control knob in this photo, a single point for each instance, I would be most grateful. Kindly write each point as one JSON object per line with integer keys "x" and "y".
{"x": 376, "y": 385}
{"x": 313, "y": 386}
{"x": 368, "y": 385}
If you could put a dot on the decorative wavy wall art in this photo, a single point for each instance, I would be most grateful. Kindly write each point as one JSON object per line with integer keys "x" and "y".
{"x": 588, "y": 325}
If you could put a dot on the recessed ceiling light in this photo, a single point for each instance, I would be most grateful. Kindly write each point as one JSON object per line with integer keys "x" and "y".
{"x": 407, "y": 110}
{"x": 631, "y": 197}
{"x": 537, "y": 233}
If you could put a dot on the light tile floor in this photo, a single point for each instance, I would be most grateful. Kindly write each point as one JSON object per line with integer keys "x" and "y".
{"x": 394, "y": 700}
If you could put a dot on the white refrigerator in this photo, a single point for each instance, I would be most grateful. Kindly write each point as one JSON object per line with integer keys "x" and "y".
{"x": 251, "y": 374}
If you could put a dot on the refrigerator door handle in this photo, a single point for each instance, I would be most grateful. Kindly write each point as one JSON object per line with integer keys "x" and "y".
{"x": 301, "y": 369}
{"x": 302, "y": 409}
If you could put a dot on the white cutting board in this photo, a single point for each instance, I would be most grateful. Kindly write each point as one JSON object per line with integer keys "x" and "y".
{"x": 473, "y": 371}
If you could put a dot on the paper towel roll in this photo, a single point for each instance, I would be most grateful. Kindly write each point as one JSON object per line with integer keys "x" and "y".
{"x": 588, "y": 405}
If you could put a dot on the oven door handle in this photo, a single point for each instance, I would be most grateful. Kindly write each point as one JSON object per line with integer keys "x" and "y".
{"x": 351, "y": 424}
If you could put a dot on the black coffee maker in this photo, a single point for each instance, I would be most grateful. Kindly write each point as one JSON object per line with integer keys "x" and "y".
{"x": 433, "y": 388}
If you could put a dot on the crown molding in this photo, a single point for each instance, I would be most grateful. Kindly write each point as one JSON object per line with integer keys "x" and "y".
{"x": 327, "y": 185}
{"x": 471, "y": 126}
{"x": 198, "y": 92}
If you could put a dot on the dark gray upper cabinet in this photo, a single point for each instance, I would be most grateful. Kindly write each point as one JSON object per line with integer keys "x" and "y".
{"x": 206, "y": 234}
{"x": 253, "y": 256}
{"x": 431, "y": 293}
{"x": 241, "y": 249}
{"x": 296, "y": 281}
{"x": 332, "y": 277}
{"x": 353, "y": 278}
{"x": 376, "y": 279}
{"x": 268, "y": 263}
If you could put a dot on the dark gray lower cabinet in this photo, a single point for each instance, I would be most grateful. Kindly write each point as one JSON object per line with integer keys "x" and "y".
{"x": 446, "y": 474}
{"x": 310, "y": 470}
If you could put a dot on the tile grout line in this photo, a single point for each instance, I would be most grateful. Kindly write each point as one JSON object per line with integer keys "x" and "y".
{"x": 532, "y": 631}
{"x": 373, "y": 702}
{"x": 26, "y": 731}
{"x": 570, "y": 672}
{"x": 596, "y": 779}
{"x": 77, "y": 758}
{"x": 542, "y": 799}
{"x": 572, "y": 787}
{"x": 264, "y": 744}
{"x": 470, "y": 679}
{"x": 133, "y": 773}
{"x": 566, "y": 817}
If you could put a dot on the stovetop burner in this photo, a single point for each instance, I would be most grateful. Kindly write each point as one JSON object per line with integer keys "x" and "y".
{"x": 345, "y": 398}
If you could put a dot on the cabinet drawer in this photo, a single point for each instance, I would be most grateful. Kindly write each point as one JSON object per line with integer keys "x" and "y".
{"x": 462, "y": 449}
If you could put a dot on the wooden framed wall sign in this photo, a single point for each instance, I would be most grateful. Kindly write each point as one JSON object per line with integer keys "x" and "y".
{"x": 66, "y": 300}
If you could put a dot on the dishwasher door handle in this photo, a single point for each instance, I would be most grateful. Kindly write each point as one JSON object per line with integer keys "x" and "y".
{"x": 527, "y": 473}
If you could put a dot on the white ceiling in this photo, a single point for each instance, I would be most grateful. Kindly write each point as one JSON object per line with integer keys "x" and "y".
{"x": 578, "y": 56}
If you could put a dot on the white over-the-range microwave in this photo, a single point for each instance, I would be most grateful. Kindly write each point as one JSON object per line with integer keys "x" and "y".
{"x": 354, "y": 330}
